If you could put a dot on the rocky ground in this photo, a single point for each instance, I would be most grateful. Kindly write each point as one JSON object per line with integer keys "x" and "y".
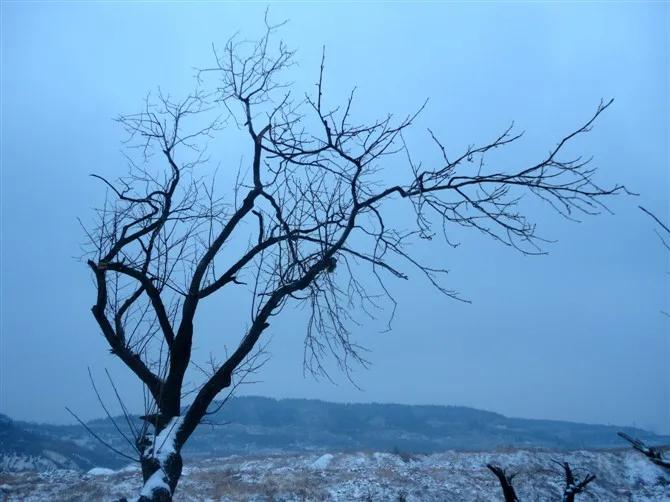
{"x": 451, "y": 476}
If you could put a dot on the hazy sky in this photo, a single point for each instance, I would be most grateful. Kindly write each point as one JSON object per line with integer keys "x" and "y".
{"x": 575, "y": 335}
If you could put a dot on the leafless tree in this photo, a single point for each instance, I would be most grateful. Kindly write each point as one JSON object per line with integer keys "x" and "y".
{"x": 505, "y": 481}
{"x": 310, "y": 214}
{"x": 573, "y": 485}
{"x": 655, "y": 454}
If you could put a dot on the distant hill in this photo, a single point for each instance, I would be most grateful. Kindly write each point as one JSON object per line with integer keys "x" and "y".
{"x": 23, "y": 450}
{"x": 301, "y": 424}
{"x": 263, "y": 425}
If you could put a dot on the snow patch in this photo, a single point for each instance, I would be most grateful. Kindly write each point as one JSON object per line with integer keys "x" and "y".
{"x": 157, "y": 481}
{"x": 130, "y": 468}
{"x": 323, "y": 461}
{"x": 100, "y": 471}
{"x": 164, "y": 444}
{"x": 640, "y": 470}
{"x": 55, "y": 456}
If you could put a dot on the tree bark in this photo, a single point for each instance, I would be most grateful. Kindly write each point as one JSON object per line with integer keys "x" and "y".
{"x": 505, "y": 482}
{"x": 161, "y": 462}
{"x": 160, "y": 477}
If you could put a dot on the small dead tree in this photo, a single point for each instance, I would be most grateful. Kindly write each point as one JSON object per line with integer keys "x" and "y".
{"x": 573, "y": 486}
{"x": 297, "y": 229}
{"x": 654, "y": 454}
{"x": 505, "y": 481}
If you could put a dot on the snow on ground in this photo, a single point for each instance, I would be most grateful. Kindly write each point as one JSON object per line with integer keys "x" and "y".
{"x": 14, "y": 462}
{"x": 323, "y": 461}
{"x": 100, "y": 471}
{"x": 451, "y": 476}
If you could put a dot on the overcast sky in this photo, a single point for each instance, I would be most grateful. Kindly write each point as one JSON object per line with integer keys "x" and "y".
{"x": 574, "y": 335}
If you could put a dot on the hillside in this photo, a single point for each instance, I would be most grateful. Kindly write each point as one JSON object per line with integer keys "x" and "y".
{"x": 259, "y": 425}
{"x": 22, "y": 450}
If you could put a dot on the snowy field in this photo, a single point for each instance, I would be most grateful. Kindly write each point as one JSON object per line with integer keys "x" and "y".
{"x": 452, "y": 476}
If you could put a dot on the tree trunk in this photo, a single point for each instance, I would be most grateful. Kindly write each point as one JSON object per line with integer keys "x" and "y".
{"x": 505, "y": 482}
{"x": 161, "y": 475}
{"x": 161, "y": 462}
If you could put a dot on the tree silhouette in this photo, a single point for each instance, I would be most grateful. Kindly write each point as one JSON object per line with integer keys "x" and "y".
{"x": 505, "y": 481}
{"x": 653, "y": 453}
{"x": 573, "y": 485}
{"x": 305, "y": 217}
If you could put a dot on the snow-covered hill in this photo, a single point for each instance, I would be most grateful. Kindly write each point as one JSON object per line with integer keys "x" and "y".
{"x": 264, "y": 426}
{"x": 451, "y": 476}
{"x": 22, "y": 450}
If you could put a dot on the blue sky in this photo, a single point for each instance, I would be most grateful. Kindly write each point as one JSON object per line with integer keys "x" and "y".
{"x": 575, "y": 335}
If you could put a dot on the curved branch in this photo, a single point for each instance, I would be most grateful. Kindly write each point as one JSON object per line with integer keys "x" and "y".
{"x": 117, "y": 345}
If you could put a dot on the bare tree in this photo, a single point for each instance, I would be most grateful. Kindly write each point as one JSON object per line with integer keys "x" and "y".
{"x": 505, "y": 481}
{"x": 309, "y": 215}
{"x": 573, "y": 485}
{"x": 655, "y": 454}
